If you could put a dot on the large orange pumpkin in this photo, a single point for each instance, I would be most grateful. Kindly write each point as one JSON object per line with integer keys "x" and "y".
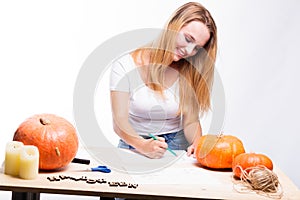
{"x": 245, "y": 161}
{"x": 54, "y": 136}
{"x": 218, "y": 151}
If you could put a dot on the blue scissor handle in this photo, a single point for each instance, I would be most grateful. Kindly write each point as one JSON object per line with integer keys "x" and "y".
{"x": 101, "y": 169}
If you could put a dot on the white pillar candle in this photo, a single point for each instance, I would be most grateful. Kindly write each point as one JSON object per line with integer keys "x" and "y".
{"x": 29, "y": 162}
{"x": 12, "y": 158}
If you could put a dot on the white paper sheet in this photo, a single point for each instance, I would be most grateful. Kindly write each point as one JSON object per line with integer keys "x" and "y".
{"x": 179, "y": 173}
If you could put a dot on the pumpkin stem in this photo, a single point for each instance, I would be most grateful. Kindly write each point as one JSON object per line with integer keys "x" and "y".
{"x": 44, "y": 121}
{"x": 221, "y": 134}
{"x": 57, "y": 151}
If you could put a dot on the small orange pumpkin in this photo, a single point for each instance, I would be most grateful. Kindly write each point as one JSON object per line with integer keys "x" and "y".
{"x": 54, "y": 136}
{"x": 245, "y": 161}
{"x": 218, "y": 151}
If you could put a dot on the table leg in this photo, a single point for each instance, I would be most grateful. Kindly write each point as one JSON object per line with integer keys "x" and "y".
{"x": 25, "y": 196}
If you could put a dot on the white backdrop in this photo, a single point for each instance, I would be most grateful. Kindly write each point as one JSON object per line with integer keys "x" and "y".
{"x": 44, "y": 43}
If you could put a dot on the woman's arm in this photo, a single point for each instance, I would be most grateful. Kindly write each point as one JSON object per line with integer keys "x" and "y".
{"x": 192, "y": 131}
{"x": 120, "y": 111}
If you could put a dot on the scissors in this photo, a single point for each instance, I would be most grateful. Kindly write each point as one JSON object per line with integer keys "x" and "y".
{"x": 100, "y": 168}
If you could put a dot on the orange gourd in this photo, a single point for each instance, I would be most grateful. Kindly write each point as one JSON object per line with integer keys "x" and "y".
{"x": 246, "y": 161}
{"x": 218, "y": 151}
{"x": 54, "y": 136}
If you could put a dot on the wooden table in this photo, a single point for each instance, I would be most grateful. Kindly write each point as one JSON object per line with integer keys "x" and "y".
{"x": 182, "y": 180}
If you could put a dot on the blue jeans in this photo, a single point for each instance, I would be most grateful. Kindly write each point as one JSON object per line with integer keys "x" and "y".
{"x": 175, "y": 141}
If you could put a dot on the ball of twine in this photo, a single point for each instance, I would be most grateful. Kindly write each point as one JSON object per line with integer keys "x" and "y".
{"x": 259, "y": 179}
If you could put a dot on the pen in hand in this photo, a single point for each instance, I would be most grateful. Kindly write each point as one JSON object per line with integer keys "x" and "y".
{"x": 170, "y": 150}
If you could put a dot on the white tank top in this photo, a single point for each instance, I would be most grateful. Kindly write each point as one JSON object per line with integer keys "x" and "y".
{"x": 149, "y": 112}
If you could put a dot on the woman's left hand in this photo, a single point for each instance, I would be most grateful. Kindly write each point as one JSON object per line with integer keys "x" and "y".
{"x": 191, "y": 150}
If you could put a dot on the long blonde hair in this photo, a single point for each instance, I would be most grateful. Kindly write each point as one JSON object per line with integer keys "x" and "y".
{"x": 196, "y": 72}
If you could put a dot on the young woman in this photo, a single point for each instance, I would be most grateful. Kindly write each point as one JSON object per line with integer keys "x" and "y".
{"x": 163, "y": 88}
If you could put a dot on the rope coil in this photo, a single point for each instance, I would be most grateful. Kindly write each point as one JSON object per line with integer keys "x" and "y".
{"x": 259, "y": 179}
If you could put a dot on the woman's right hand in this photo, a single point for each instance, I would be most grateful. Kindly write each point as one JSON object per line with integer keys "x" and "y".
{"x": 148, "y": 147}
{"x": 153, "y": 148}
